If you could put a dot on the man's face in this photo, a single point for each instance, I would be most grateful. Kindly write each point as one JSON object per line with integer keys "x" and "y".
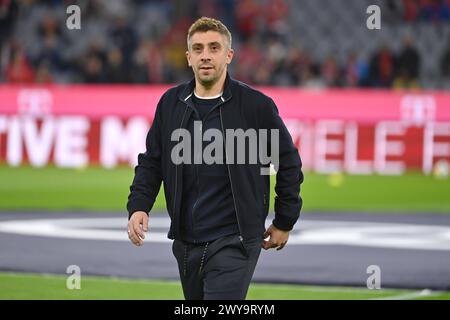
{"x": 208, "y": 55}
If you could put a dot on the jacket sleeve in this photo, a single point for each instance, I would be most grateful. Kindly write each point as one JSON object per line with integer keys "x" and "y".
{"x": 288, "y": 201}
{"x": 147, "y": 179}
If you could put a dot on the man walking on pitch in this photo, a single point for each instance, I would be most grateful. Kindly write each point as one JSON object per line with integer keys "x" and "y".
{"x": 217, "y": 194}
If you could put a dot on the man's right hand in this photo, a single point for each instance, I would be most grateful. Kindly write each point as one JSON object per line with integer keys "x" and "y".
{"x": 137, "y": 226}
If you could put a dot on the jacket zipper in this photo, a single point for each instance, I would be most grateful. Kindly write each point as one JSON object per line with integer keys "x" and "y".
{"x": 176, "y": 167}
{"x": 229, "y": 176}
{"x": 197, "y": 182}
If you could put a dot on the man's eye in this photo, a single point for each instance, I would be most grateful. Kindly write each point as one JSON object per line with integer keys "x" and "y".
{"x": 214, "y": 48}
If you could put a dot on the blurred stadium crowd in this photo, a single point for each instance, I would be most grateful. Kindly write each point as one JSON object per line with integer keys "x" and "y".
{"x": 308, "y": 43}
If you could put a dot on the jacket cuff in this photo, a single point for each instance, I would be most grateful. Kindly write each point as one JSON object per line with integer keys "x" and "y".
{"x": 138, "y": 205}
{"x": 283, "y": 223}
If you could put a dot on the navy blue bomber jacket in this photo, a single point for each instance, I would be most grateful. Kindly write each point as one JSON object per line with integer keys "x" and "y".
{"x": 241, "y": 107}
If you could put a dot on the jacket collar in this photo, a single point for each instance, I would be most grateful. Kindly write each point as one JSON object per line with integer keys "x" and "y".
{"x": 188, "y": 90}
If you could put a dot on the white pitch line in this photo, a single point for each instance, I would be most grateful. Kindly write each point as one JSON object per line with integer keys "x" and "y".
{"x": 412, "y": 295}
{"x": 351, "y": 233}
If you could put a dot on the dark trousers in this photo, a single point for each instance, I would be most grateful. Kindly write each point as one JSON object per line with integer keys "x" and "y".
{"x": 217, "y": 270}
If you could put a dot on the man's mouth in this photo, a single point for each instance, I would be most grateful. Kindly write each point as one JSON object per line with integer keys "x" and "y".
{"x": 206, "y": 68}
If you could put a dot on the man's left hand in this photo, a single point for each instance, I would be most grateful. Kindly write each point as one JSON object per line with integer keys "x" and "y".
{"x": 277, "y": 238}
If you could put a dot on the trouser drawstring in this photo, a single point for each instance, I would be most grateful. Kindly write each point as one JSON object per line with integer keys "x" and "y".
{"x": 185, "y": 260}
{"x": 203, "y": 257}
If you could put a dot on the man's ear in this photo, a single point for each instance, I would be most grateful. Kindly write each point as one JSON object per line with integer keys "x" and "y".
{"x": 230, "y": 55}
{"x": 187, "y": 58}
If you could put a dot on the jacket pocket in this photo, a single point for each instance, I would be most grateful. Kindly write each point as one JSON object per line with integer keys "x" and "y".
{"x": 243, "y": 246}
{"x": 265, "y": 202}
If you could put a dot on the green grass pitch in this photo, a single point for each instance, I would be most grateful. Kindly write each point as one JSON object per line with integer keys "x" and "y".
{"x": 34, "y": 286}
{"x": 98, "y": 189}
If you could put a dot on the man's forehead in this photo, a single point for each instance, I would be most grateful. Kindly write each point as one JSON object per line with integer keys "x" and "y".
{"x": 207, "y": 37}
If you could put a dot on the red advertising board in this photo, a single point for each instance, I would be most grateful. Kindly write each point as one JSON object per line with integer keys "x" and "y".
{"x": 354, "y": 131}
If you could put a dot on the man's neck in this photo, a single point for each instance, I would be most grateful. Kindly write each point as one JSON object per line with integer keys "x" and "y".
{"x": 214, "y": 90}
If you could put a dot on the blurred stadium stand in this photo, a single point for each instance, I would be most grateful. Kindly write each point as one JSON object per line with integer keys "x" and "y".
{"x": 308, "y": 43}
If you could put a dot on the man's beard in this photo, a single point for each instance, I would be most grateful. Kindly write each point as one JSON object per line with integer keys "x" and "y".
{"x": 209, "y": 80}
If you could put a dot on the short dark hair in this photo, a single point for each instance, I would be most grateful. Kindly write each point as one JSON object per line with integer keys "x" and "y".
{"x": 204, "y": 24}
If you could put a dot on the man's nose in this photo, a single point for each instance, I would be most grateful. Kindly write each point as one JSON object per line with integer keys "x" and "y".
{"x": 205, "y": 56}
